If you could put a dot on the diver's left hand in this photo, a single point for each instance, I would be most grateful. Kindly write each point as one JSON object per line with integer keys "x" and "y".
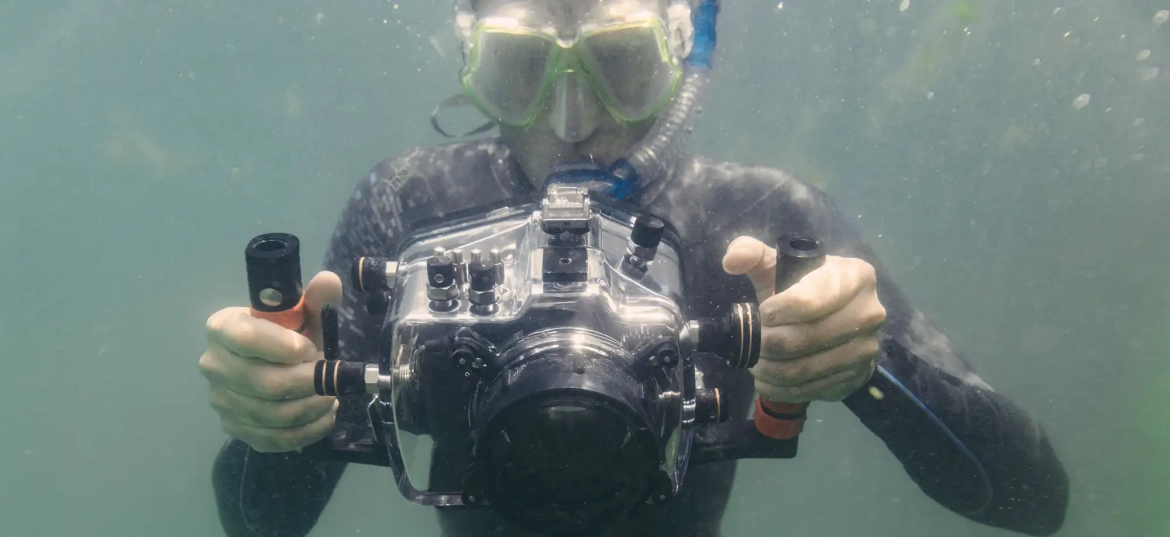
{"x": 820, "y": 336}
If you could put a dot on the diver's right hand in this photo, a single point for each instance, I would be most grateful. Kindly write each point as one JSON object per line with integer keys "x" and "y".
{"x": 261, "y": 374}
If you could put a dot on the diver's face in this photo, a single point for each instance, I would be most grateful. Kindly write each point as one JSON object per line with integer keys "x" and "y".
{"x": 573, "y": 124}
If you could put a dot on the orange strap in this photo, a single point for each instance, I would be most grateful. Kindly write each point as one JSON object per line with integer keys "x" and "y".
{"x": 292, "y": 318}
{"x": 780, "y": 421}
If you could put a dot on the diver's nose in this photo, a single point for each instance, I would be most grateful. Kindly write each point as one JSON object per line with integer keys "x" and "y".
{"x": 576, "y": 108}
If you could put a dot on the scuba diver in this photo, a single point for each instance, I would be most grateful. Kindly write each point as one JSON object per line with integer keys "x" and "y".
{"x": 571, "y": 83}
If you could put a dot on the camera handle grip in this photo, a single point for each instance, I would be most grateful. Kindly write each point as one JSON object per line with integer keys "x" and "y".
{"x": 276, "y": 294}
{"x": 796, "y": 256}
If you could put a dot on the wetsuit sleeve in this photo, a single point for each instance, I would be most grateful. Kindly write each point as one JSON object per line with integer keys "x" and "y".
{"x": 968, "y": 447}
{"x": 283, "y": 494}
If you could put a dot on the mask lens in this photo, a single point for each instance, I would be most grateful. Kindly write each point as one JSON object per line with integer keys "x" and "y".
{"x": 631, "y": 69}
{"x": 507, "y": 74}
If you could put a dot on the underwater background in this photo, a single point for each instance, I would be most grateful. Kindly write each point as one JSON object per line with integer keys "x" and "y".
{"x": 1008, "y": 159}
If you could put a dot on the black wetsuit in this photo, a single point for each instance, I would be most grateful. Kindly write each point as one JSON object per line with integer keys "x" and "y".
{"x": 969, "y": 448}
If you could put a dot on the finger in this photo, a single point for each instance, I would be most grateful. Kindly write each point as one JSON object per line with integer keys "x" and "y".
{"x": 855, "y": 353}
{"x": 236, "y": 330}
{"x": 257, "y": 378}
{"x": 821, "y": 292}
{"x": 265, "y": 413}
{"x": 863, "y": 316}
{"x": 324, "y": 288}
{"x": 754, "y": 259}
{"x": 270, "y": 440}
{"x": 830, "y": 388}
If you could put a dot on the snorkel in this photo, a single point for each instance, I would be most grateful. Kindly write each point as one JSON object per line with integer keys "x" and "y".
{"x": 648, "y": 161}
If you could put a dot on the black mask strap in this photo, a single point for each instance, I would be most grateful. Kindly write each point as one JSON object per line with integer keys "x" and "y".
{"x": 458, "y": 99}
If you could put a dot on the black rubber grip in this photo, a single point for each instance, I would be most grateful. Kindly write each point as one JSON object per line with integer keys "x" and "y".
{"x": 796, "y": 256}
{"x": 329, "y": 332}
{"x": 273, "y": 261}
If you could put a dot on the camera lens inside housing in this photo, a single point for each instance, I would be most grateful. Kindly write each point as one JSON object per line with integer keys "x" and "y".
{"x": 565, "y": 446}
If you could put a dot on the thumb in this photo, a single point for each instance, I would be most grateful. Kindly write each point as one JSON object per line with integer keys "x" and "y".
{"x": 324, "y": 288}
{"x": 754, "y": 259}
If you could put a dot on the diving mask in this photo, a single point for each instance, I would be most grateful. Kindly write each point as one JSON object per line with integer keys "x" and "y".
{"x": 513, "y": 64}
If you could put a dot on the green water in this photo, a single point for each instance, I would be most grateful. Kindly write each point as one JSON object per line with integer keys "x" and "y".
{"x": 143, "y": 143}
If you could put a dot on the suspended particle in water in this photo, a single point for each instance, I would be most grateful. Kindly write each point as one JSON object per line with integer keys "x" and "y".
{"x": 1036, "y": 61}
{"x": 929, "y": 95}
{"x": 1055, "y": 11}
{"x": 1143, "y": 55}
{"x": 1139, "y": 121}
{"x": 1161, "y": 17}
{"x": 780, "y": 5}
{"x": 1137, "y": 157}
{"x": 876, "y": 393}
{"x": 1149, "y": 73}
{"x": 1081, "y": 101}
{"x": 1100, "y": 162}
{"x": 904, "y": 5}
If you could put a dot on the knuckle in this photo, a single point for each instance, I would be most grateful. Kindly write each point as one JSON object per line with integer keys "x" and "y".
{"x": 773, "y": 343}
{"x": 866, "y": 273}
{"x": 218, "y": 323}
{"x": 300, "y": 412}
{"x": 802, "y": 298}
{"x": 769, "y": 311}
{"x": 218, "y": 401}
{"x": 301, "y": 346}
{"x": 269, "y": 381}
{"x": 207, "y": 363}
{"x": 792, "y": 374}
{"x": 871, "y": 347}
{"x": 875, "y": 316}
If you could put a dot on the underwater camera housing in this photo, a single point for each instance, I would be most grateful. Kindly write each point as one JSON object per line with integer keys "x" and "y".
{"x": 538, "y": 360}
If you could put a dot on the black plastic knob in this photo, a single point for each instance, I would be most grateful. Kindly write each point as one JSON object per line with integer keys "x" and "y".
{"x": 482, "y": 276}
{"x": 369, "y": 274}
{"x": 711, "y": 406}
{"x": 734, "y": 336}
{"x": 647, "y": 232}
{"x": 440, "y": 271}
